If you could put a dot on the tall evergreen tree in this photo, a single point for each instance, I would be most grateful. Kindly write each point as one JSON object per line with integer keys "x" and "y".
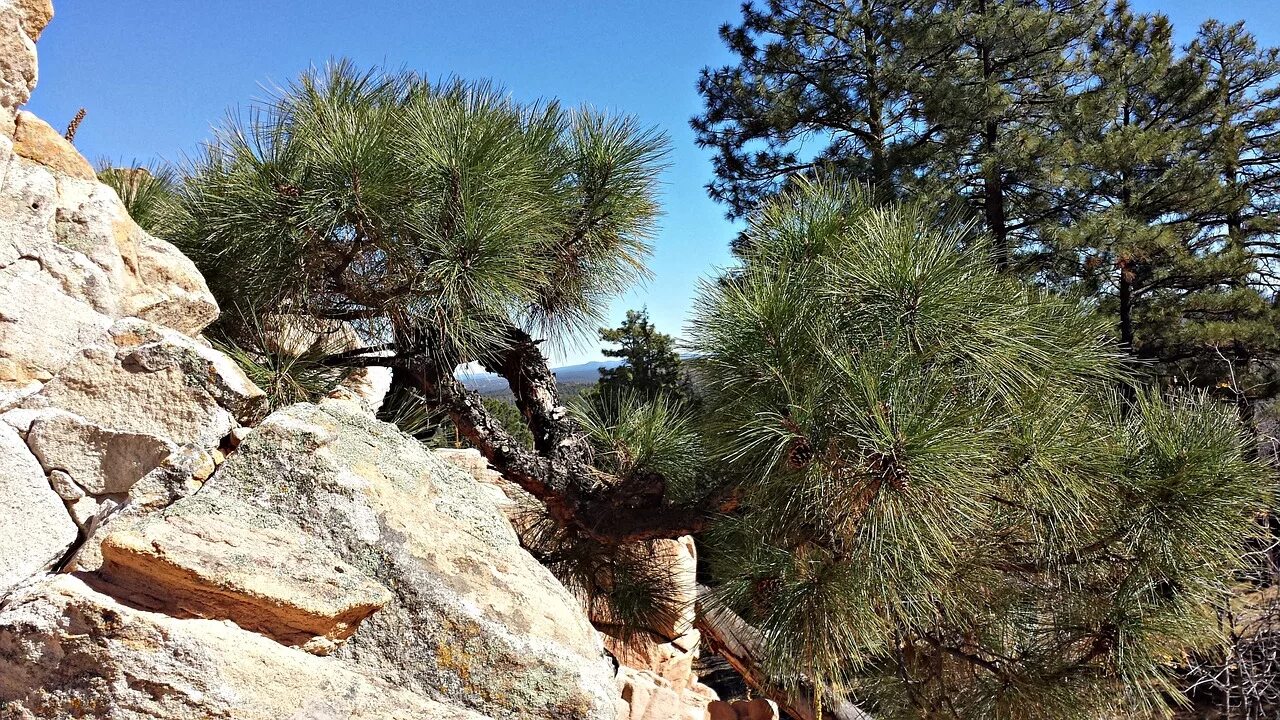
{"x": 1234, "y": 337}
{"x": 1150, "y": 201}
{"x": 1010, "y": 73}
{"x": 956, "y": 99}
{"x": 816, "y": 84}
{"x": 650, "y": 364}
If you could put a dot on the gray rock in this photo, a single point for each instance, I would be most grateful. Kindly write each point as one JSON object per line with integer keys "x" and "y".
{"x": 475, "y": 618}
{"x": 35, "y": 529}
{"x": 99, "y": 460}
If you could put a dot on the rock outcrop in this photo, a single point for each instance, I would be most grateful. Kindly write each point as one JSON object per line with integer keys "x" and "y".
{"x": 655, "y": 676}
{"x": 475, "y": 617}
{"x": 69, "y": 651}
{"x": 35, "y": 529}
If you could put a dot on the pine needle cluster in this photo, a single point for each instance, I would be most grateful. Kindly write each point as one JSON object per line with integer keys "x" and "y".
{"x": 955, "y": 503}
{"x": 411, "y": 207}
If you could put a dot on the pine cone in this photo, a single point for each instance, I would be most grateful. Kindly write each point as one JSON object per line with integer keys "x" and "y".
{"x": 799, "y": 453}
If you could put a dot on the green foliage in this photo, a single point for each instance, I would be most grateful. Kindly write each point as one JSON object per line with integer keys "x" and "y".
{"x": 434, "y": 214}
{"x": 1103, "y": 160}
{"x": 283, "y": 354}
{"x": 948, "y": 511}
{"x": 651, "y": 366}
{"x": 147, "y": 193}
{"x": 627, "y": 587}
{"x": 655, "y": 439}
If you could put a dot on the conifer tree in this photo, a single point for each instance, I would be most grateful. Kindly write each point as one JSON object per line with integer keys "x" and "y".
{"x": 1151, "y": 199}
{"x": 651, "y": 366}
{"x": 915, "y": 474}
{"x": 816, "y": 84}
{"x": 958, "y": 100}
{"x": 1010, "y": 75}
{"x": 1234, "y": 338}
{"x": 947, "y": 510}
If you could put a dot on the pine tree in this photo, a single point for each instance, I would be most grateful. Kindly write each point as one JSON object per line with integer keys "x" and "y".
{"x": 918, "y": 481}
{"x": 1142, "y": 234}
{"x": 947, "y": 510}
{"x": 651, "y": 366}
{"x": 958, "y": 100}
{"x": 1234, "y": 338}
{"x": 1010, "y": 74}
{"x": 815, "y": 84}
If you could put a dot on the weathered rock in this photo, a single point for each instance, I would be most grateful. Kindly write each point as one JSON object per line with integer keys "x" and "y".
{"x": 19, "y": 26}
{"x": 757, "y": 709}
{"x": 719, "y": 710}
{"x": 219, "y": 558}
{"x": 12, "y": 394}
{"x": 681, "y": 557}
{"x": 41, "y": 327}
{"x": 643, "y": 650}
{"x": 68, "y": 651}
{"x": 650, "y": 697}
{"x": 148, "y": 380}
{"x": 36, "y": 15}
{"x": 34, "y": 140}
{"x": 475, "y": 618}
{"x": 73, "y": 260}
{"x": 510, "y": 498}
{"x": 367, "y": 386}
{"x": 35, "y": 529}
{"x": 99, "y": 460}
{"x": 64, "y": 486}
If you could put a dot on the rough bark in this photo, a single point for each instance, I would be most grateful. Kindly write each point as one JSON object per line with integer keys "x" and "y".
{"x": 558, "y": 470}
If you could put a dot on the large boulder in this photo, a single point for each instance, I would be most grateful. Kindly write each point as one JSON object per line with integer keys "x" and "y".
{"x": 474, "y": 618}
{"x": 220, "y": 558}
{"x": 69, "y": 651}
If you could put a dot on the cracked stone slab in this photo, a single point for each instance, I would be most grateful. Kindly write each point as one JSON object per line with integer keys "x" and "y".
{"x": 99, "y": 460}
{"x": 35, "y": 528}
{"x": 219, "y": 558}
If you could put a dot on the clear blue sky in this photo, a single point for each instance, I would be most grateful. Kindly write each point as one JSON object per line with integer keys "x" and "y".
{"x": 154, "y": 75}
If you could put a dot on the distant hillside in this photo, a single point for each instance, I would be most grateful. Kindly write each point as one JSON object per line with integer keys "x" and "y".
{"x": 570, "y": 378}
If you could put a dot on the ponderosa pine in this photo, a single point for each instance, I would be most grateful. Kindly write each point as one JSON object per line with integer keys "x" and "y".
{"x": 915, "y": 476}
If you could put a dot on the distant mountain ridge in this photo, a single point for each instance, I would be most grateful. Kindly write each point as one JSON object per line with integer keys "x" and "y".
{"x": 583, "y": 374}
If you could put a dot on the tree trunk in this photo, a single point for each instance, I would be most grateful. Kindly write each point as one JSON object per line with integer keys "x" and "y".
{"x": 881, "y": 179}
{"x": 558, "y": 471}
{"x": 993, "y": 180}
{"x": 1126, "y": 305}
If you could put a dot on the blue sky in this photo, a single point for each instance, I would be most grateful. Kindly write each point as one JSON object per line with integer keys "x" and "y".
{"x": 154, "y": 75}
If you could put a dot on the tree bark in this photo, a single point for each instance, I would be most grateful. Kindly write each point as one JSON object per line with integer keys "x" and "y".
{"x": 993, "y": 180}
{"x": 558, "y": 470}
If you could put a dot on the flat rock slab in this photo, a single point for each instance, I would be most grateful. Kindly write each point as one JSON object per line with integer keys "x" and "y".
{"x": 221, "y": 559}
{"x": 35, "y": 527}
{"x": 69, "y": 651}
{"x": 101, "y": 461}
